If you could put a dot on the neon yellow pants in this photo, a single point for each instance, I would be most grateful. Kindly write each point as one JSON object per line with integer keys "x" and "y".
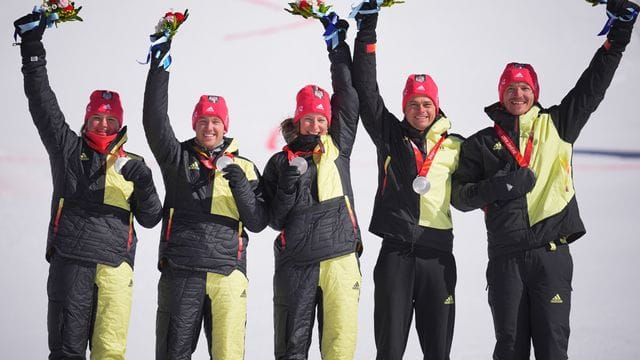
{"x": 115, "y": 288}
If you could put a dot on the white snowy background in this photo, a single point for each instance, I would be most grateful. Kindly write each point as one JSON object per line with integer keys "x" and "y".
{"x": 257, "y": 56}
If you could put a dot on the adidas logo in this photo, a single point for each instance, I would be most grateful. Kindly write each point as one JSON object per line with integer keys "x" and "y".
{"x": 84, "y": 157}
{"x": 519, "y": 75}
{"x": 420, "y": 88}
{"x": 557, "y": 299}
{"x": 509, "y": 187}
{"x": 194, "y": 166}
{"x": 497, "y": 146}
{"x": 449, "y": 300}
{"x": 210, "y": 109}
{"x": 244, "y": 293}
{"x": 320, "y": 107}
{"x": 356, "y": 286}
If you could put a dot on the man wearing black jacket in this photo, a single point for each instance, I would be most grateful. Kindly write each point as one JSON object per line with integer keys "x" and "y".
{"x": 519, "y": 172}
{"x": 92, "y": 242}
{"x": 208, "y": 205}
{"x": 416, "y": 269}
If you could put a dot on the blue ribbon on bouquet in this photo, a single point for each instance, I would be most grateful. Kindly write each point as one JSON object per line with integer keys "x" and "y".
{"x": 631, "y": 14}
{"x": 356, "y": 9}
{"x": 155, "y": 52}
{"x": 331, "y": 33}
{"x": 51, "y": 20}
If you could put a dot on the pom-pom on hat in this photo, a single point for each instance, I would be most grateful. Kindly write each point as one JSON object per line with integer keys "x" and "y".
{"x": 211, "y": 105}
{"x": 420, "y": 84}
{"x": 312, "y": 99}
{"x": 104, "y": 102}
{"x": 519, "y": 72}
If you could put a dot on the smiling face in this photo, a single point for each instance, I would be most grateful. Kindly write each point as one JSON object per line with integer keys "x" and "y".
{"x": 518, "y": 98}
{"x": 102, "y": 124}
{"x": 314, "y": 124}
{"x": 209, "y": 131}
{"x": 420, "y": 112}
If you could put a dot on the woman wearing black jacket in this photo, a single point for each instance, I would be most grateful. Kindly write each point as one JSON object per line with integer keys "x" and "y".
{"x": 317, "y": 249}
{"x": 92, "y": 242}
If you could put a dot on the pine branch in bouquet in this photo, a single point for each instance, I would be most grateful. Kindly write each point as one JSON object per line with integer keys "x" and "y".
{"x": 388, "y": 3}
{"x": 596, "y": 2}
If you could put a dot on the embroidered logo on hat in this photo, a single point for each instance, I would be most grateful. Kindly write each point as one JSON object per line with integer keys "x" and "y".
{"x": 320, "y": 107}
{"x": 213, "y": 99}
{"x": 420, "y": 78}
{"x": 519, "y": 75}
{"x": 209, "y": 109}
{"x": 420, "y": 88}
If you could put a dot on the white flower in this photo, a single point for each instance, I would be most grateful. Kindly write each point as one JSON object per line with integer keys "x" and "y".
{"x": 54, "y": 7}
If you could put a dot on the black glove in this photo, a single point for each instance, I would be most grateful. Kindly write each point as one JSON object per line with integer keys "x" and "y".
{"x": 138, "y": 172}
{"x": 158, "y": 52}
{"x": 34, "y": 34}
{"x": 288, "y": 179}
{"x": 507, "y": 185}
{"x": 620, "y": 33}
{"x": 235, "y": 175}
{"x": 341, "y": 27}
{"x": 31, "y": 44}
{"x": 368, "y": 22}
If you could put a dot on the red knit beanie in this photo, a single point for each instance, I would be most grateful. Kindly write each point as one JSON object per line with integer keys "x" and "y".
{"x": 312, "y": 99}
{"x": 211, "y": 105}
{"x": 104, "y": 102}
{"x": 420, "y": 84}
{"x": 517, "y": 72}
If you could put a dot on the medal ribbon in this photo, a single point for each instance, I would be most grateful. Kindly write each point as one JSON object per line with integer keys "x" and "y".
{"x": 423, "y": 166}
{"x": 523, "y": 161}
{"x": 209, "y": 162}
{"x": 293, "y": 154}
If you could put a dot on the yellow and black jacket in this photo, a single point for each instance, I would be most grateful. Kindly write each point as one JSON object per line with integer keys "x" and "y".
{"x": 550, "y": 211}
{"x": 92, "y": 206}
{"x": 318, "y": 221}
{"x": 399, "y": 212}
{"x": 204, "y": 219}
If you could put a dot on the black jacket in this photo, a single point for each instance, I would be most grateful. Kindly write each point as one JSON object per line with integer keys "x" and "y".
{"x": 92, "y": 205}
{"x": 317, "y": 221}
{"x": 401, "y": 215}
{"x": 550, "y": 211}
{"x": 204, "y": 219}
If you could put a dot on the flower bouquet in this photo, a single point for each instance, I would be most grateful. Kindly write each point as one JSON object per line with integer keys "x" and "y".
{"x": 59, "y": 11}
{"x": 309, "y": 8}
{"x": 169, "y": 24}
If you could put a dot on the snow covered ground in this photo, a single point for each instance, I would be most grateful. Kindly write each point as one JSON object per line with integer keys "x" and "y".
{"x": 258, "y": 56}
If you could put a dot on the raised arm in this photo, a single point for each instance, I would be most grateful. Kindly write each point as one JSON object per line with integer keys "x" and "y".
{"x": 55, "y": 133}
{"x": 155, "y": 117}
{"x": 578, "y": 105}
{"x": 372, "y": 108}
{"x": 344, "y": 102}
